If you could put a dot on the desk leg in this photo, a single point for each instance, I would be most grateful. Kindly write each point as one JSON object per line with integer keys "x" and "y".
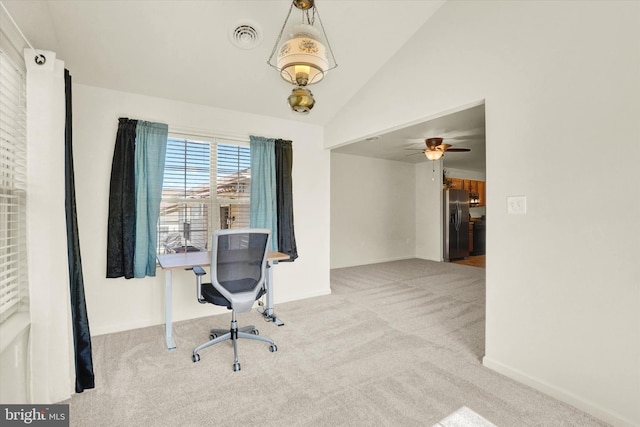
{"x": 268, "y": 312}
{"x": 171, "y": 344}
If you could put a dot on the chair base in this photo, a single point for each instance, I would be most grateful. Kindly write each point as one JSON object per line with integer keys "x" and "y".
{"x": 214, "y": 333}
{"x": 233, "y": 334}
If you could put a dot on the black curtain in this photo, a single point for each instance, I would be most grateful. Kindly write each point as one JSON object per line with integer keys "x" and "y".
{"x": 80, "y": 321}
{"x": 284, "y": 198}
{"x": 121, "y": 233}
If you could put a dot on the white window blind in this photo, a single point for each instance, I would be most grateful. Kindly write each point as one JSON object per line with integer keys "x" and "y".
{"x": 13, "y": 147}
{"x": 189, "y": 210}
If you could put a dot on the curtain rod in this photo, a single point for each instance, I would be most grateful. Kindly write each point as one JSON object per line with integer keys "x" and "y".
{"x": 40, "y": 59}
{"x": 199, "y": 133}
{"x": 211, "y": 134}
{"x": 208, "y": 135}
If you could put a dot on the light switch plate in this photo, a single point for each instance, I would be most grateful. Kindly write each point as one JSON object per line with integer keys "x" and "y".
{"x": 517, "y": 204}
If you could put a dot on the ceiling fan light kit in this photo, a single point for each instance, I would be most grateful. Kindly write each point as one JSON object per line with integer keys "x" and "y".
{"x": 304, "y": 57}
{"x": 433, "y": 155}
{"x": 435, "y": 148}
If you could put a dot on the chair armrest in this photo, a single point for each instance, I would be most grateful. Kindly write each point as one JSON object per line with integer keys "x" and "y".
{"x": 199, "y": 272}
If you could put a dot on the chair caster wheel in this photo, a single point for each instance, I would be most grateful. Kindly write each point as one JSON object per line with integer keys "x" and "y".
{"x": 236, "y": 367}
{"x": 213, "y": 336}
{"x": 195, "y": 358}
{"x": 255, "y": 332}
{"x": 273, "y": 348}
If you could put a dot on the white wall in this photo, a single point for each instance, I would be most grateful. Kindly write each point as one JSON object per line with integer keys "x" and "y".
{"x": 372, "y": 210}
{"x": 384, "y": 210}
{"x": 465, "y": 174}
{"x": 366, "y": 224}
{"x": 429, "y": 211}
{"x": 563, "y": 281}
{"x": 14, "y": 359}
{"x": 120, "y": 304}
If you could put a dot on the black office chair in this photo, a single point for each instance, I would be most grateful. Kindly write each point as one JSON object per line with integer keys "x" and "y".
{"x": 238, "y": 275}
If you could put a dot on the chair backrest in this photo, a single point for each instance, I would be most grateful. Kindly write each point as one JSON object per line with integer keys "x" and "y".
{"x": 239, "y": 264}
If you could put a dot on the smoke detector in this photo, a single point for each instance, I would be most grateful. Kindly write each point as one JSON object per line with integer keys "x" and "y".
{"x": 245, "y": 35}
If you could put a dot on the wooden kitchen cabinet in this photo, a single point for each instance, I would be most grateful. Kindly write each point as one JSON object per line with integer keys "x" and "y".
{"x": 456, "y": 183}
{"x": 472, "y": 186}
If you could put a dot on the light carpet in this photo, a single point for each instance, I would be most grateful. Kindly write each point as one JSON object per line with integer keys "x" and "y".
{"x": 395, "y": 344}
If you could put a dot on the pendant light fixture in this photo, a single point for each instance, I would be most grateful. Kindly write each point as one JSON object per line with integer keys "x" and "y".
{"x": 304, "y": 56}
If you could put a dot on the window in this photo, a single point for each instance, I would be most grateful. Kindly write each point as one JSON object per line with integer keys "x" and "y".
{"x": 13, "y": 147}
{"x": 189, "y": 212}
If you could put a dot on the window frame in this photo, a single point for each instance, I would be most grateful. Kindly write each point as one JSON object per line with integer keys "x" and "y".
{"x": 213, "y": 204}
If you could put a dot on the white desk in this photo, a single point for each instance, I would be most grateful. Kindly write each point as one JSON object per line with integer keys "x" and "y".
{"x": 187, "y": 260}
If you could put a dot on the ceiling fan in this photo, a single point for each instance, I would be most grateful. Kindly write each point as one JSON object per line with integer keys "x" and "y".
{"x": 436, "y": 149}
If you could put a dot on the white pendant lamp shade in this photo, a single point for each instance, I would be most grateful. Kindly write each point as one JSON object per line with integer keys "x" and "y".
{"x": 303, "y": 56}
{"x": 302, "y": 60}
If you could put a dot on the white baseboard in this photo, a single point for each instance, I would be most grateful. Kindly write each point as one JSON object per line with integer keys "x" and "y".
{"x": 371, "y": 261}
{"x": 559, "y": 393}
{"x": 121, "y": 327}
{"x": 301, "y": 297}
{"x": 113, "y": 328}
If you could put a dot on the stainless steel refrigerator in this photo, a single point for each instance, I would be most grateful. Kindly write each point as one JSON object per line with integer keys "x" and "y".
{"x": 456, "y": 224}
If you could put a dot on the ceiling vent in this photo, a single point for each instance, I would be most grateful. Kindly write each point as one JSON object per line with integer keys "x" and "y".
{"x": 246, "y": 35}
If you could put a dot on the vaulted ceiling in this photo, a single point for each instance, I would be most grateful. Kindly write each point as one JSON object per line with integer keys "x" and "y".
{"x": 182, "y": 50}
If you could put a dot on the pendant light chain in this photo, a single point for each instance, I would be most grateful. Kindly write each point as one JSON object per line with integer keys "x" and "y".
{"x": 311, "y": 20}
{"x": 335, "y": 63}
{"x": 284, "y": 24}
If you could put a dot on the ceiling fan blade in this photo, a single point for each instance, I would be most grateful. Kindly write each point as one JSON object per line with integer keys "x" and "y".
{"x": 443, "y": 147}
{"x": 458, "y": 150}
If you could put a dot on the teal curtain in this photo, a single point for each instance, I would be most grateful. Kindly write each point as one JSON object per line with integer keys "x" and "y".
{"x": 151, "y": 147}
{"x": 263, "y": 212}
